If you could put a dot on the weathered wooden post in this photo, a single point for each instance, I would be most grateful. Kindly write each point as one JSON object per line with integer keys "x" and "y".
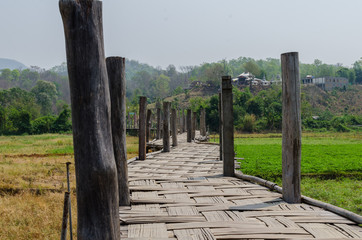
{"x": 117, "y": 88}
{"x": 291, "y": 128}
{"x": 142, "y": 128}
{"x": 203, "y": 122}
{"x": 128, "y": 120}
{"x": 220, "y": 126}
{"x": 166, "y": 126}
{"x": 158, "y": 130}
{"x": 183, "y": 121}
{"x": 189, "y": 130}
{"x": 174, "y": 127}
{"x": 148, "y": 127}
{"x": 63, "y": 234}
{"x": 193, "y": 125}
{"x": 227, "y": 127}
{"x": 95, "y": 166}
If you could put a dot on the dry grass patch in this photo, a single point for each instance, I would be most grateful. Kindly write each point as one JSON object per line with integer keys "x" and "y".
{"x": 31, "y": 216}
{"x": 33, "y": 182}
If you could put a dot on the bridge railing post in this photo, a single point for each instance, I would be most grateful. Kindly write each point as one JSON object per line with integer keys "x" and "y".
{"x": 220, "y": 126}
{"x": 174, "y": 126}
{"x": 117, "y": 89}
{"x": 183, "y": 121}
{"x": 96, "y": 171}
{"x": 291, "y": 128}
{"x": 193, "y": 125}
{"x": 227, "y": 127}
{"x": 142, "y": 128}
{"x": 203, "y": 122}
{"x": 166, "y": 126}
{"x": 148, "y": 126}
{"x": 158, "y": 130}
{"x": 188, "y": 125}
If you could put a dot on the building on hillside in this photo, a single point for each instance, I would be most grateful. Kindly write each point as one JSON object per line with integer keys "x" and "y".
{"x": 326, "y": 83}
{"x": 243, "y": 79}
{"x": 308, "y": 79}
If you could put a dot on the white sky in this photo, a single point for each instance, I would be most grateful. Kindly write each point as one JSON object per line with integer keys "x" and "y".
{"x": 190, "y": 32}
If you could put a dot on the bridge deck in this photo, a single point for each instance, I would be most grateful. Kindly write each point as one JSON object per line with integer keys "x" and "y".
{"x": 182, "y": 195}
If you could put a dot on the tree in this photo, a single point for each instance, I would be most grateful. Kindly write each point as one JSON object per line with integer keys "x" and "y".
{"x": 62, "y": 123}
{"x": 161, "y": 86}
{"x": 253, "y": 68}
{"x": 45, "y": 94}
{"x": 15, "y": 75}
{"x": 6, "y": 74}
{"x": 357, "y": 67}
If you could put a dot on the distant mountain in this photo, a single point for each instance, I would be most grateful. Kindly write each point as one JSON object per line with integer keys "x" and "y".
{"x": 11, "y": 64}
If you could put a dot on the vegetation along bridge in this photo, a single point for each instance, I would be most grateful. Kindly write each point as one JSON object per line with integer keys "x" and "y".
{"x": 189, "y": 190}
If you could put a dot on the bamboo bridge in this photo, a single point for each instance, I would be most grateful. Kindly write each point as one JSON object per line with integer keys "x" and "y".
{"x": 182, "y": 194}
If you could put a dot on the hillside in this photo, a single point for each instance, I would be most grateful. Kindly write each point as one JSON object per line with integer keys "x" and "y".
{"x": 11, "y": 64}
{"x": 337, "y": 102}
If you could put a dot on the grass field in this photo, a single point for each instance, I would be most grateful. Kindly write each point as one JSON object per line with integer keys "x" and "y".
{"x": 331, "y": 165}
{"x": 33, "y": 182}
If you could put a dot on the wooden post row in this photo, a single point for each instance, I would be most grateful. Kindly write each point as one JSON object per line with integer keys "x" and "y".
{"x": 291, "y": 128}
{"x": 142, "y": 128}
{"x": 166, "y": 126}
{"x": 227, "y": 127}
{"x": 117, "y": 88}
{"x": 96, "y": 171}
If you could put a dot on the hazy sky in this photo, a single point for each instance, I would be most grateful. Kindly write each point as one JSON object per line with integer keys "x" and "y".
{"x": 190, "y": 32}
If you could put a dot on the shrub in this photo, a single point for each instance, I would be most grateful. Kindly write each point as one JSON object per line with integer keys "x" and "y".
{"x": 249, "y": 123}
{"x": 43, "y": 124}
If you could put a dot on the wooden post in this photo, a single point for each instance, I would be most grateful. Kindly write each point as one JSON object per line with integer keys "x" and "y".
{"x": 291, "y": 128}
{"x": 203, "y": 122}
{"x": 63, "y": 234}
{"x": 128, "y": 120}
{"x": 117, "y": 88}
{"x": 227, "y": 127}
{"x": 95, "y": 166}
{"x": 220, "y": 126}
{"x": 193, "y": 125}
{"x": 142, "y": 128}
{"x": 148, "y": 127}
{"x": 183, "y": 121}
{"x": 166, "y": 126}
{"x": 158, "y": 131}
{"x": 189, "y": 130}
{"x": 135, "y": 121}
{"x": 174, "y": 127}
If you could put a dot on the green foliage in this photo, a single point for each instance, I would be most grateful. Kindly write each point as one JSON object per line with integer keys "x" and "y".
{"x": 45, "y": 94}
{"x": 62, "y": 123}
{"x": 196, "y": 103}
{"x": 249, "y": 123}
{"x": 178, "y": 90}
{"x": 212, "y": 113}
{"x": 43, "y": 124}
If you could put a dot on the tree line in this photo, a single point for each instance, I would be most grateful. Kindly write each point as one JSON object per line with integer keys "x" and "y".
{"x": 33, "y": 101}
{"x": 262, "y": 111}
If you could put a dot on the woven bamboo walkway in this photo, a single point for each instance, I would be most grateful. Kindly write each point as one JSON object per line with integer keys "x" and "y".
{"x": 182, "y": 195}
